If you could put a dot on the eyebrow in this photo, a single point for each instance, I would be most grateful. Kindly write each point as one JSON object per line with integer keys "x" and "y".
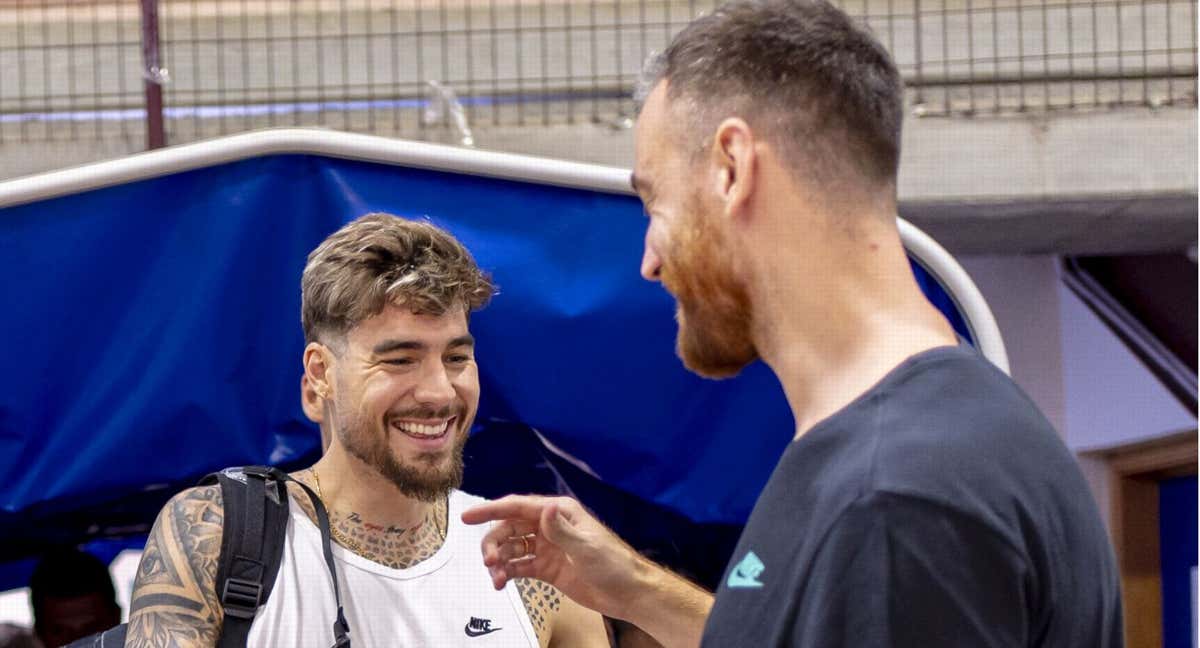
{"x": 389, "y": 346}
{"x": 467, "y": 340}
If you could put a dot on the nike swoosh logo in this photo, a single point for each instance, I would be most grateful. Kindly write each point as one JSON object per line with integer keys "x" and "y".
{"x": 479, "y": 633}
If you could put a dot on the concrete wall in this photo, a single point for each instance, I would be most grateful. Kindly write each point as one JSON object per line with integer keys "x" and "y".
{"x": 1094, "y": 390}
{"x": 1111, "y": 399}
{"x": 1075, "y": 182}
{"x": 1023, "y": 295}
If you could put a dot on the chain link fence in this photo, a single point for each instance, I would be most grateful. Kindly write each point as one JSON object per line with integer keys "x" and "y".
{"x": 181, "y": 70}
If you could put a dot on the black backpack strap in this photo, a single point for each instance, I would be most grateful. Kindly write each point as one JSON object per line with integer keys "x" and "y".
{"x": 255, "y": 531}
{"x": 341, "y": 629}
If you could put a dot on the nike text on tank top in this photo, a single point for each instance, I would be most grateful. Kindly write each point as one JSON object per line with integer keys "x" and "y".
{"x": 446, "y": 600}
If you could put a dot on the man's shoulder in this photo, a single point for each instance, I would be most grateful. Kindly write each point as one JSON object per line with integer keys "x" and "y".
{"x": 207, "y": 502}
{"x": 942, "y": 401}
{"x": 459, "y": 501}
{"x": 972, "y": 443}
{"x": 944, "y": 375}
{"x": 192, "y": 523}
{"x": 948, "y": 430}
{"x": 956, "y": 416}
{"x": 174, "y": 600}
{"x": 196, "y": 517}
{"x": 464, "y": 500}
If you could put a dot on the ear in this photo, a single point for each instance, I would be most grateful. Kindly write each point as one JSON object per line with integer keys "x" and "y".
{"x": 736, "y": 163}
{"x": 318, "y": 369}
{"x": 310, "y": 401}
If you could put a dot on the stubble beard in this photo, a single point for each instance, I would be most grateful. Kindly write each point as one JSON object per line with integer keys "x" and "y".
{"x": 712, "y": 306}
{"x": 430, "y": 477}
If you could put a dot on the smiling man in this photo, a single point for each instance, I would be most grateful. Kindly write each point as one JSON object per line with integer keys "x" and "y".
{"x": 390, "y": 363}
{"x": 924, "y": 500}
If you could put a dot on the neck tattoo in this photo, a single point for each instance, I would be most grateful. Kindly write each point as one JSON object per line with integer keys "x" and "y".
{"x": 390, "y": 545}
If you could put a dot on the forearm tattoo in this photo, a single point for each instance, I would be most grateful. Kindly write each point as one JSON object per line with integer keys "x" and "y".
{"x": 542, "y": 601}
{"x": 174, "y": 595}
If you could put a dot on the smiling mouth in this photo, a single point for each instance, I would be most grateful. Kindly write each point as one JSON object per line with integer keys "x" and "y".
{"x": 427, "y": 430}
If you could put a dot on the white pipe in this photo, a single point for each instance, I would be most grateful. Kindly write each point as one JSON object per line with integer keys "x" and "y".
{"x": 353, "y": 146}
{"x": 961, "y": 289}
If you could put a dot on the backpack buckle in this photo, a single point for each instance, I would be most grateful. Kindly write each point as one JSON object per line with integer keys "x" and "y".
{"x": 241, "y": 597}
{"x": 258, "y": 471}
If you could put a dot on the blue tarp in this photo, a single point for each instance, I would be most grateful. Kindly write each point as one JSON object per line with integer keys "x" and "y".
{"x": 152, "y": 334}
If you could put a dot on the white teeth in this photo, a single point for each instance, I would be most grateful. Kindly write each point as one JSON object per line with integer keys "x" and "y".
{"x": 419, "y": 430}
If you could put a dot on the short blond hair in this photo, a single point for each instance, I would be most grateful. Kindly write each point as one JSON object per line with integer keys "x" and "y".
{"x": 380, "y": 259}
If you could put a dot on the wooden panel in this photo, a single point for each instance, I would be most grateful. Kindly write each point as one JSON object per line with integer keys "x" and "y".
{"x": 1138, "y": 559}
{"x": 1158, "y": 456}
{"x": 1133, "y": 473}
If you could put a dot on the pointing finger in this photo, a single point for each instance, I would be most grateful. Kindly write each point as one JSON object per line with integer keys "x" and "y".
{"x": 511, "y": 507}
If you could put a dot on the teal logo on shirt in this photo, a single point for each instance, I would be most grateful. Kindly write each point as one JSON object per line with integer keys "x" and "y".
{"x": 745, "y": 574}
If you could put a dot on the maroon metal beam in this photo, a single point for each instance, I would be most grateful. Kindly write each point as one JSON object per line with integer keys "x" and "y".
{"x": 153, "y": 75}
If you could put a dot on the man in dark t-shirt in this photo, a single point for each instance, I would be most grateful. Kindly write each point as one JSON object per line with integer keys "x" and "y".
{"x": 937, "y": 509}
{"x": 924, "y": 501}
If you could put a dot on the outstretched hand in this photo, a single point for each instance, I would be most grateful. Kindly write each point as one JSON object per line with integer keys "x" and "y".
{"x": 556, "y": 540}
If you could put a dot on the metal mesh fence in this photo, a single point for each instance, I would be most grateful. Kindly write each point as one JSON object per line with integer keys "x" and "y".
{"x": 438, "y": 68}
{"x": 70, "y": 71}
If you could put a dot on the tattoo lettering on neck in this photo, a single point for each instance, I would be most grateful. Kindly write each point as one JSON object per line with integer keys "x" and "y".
{"x": 391, "y": 546}
{"x": 542, "y": 601}
{"x": 355, "y": 518}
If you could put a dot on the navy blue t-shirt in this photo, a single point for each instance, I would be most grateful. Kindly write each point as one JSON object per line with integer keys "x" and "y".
{"x": 939, "y": 508}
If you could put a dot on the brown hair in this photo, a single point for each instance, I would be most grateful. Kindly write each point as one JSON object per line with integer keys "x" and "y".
{"x": 801, "y": 71}
{"x": 380, "y": 259}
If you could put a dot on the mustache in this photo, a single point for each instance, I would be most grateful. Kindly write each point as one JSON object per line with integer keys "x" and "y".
{"x": 672, "y": 279}
{"x": 457, "y": 409}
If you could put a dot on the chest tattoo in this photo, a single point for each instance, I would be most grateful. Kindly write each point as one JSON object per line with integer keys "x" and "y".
{"x": 389, "y": 545}
{"x": 542, "y": 601}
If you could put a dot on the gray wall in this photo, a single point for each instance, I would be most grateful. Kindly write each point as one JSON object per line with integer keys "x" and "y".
{"x": 1094, "y": 390}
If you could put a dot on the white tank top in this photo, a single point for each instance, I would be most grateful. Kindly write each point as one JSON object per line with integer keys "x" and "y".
{"x": 445, "y": 600}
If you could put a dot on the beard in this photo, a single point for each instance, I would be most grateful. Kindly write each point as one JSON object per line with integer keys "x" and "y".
{"x": 430, "y": 476}
{"x": 712, "y": 306}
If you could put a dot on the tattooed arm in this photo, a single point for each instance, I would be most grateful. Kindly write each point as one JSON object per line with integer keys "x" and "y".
{"x": 174, "y": 597}
{"x": 558, "y": 620}
{"x": 578, "y": 626}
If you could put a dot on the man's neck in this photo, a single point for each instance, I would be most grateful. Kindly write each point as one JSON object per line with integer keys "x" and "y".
{"x": 374, "y": 520}
{"x": 832, "y": 331}
{"x": 348, "y": 485}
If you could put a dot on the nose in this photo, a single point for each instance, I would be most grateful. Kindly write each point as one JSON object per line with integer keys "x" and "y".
{"x": 434, "y": 388}
{"x": 651, "y": 263}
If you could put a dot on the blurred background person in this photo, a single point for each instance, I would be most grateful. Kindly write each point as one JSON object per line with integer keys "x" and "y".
{"x": 15, "y": 636}
{"x": 72, "y": 595}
